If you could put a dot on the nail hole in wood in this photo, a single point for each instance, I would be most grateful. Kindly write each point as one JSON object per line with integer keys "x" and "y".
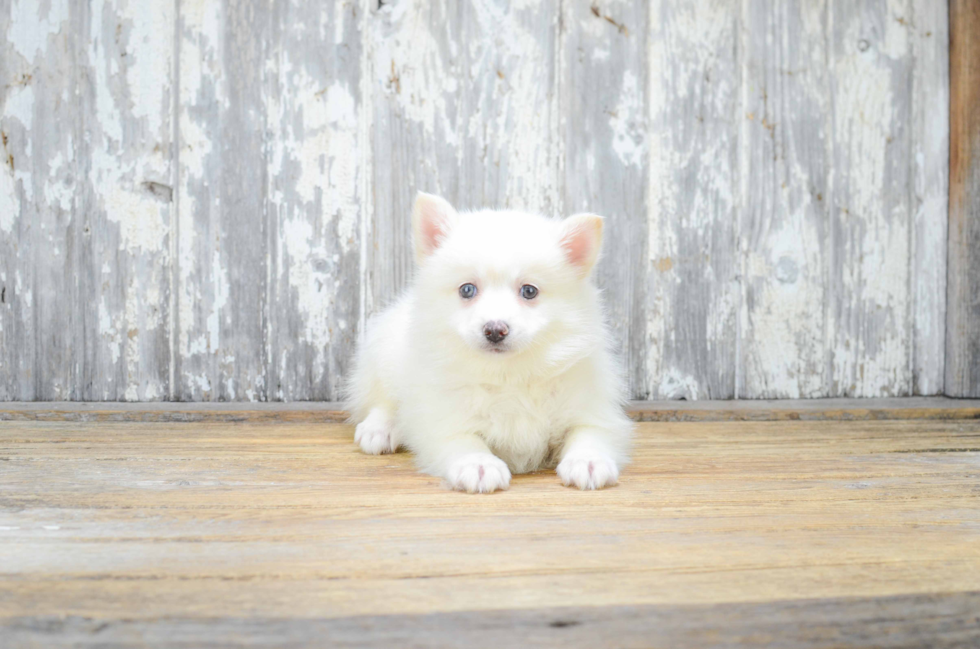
{"x": 561, "y": 624}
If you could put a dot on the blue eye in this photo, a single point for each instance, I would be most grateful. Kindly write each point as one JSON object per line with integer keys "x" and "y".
{"x": 467, "y": 291}
{"x": 529, "y": 292}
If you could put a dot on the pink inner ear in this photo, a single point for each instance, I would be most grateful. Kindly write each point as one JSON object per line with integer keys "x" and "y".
{"x": 433, "y": 230}
{"x": 578, "y": 245}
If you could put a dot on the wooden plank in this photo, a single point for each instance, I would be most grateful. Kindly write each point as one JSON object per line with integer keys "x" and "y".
{"x": 692, "y": 310}
{"x": 411, "y": 50}
{"x": 464, "y": 105}
{"x": 937, "y": 408}
{"x": 138, "y": 526}
{"x": 963, "y": 274}
{"x": 123, "y": 200}
{"x": 604, "y": 136}
{"x": 508, "y": 106}
{"x": 221, "y": 317}
{"x": 17, "y": 100}
{"x": 868, "y": 267}
{"x": 316, "y": 197}
{"x": 783, "y": 226}
{"x": 943, "y": 620}
{"x": 38, "y": 229}
{"x": 929, "y": 32}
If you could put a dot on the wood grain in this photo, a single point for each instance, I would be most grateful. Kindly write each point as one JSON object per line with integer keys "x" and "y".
{"x": 411, "y": 51}
{"x": 315, "y": 197}
{"x": 222, "y": 279}
{"x": 929, "y": 32}
{"x": 904, "y": 621}
{"x": 963, "y": 273}
{"x": 126, "y": 528}
{"x": 38, "y": 183}
{"x": 693, "y": 291}
{"x": 123, "y": 203}
{"x": 868, "y": 269}
{"x": 604, "y": 124}
{"x": 784, "y": 232}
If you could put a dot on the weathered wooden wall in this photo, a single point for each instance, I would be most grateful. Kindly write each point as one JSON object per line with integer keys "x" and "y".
{"x": 205, "y": 200}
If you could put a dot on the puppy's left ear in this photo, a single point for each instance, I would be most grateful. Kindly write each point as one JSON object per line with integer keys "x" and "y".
{"x": 432, "y": 219}
{"x": 581, "y": 240}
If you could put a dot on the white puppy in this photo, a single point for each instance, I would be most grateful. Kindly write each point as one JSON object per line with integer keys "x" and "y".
{"x": 496, "y": 359}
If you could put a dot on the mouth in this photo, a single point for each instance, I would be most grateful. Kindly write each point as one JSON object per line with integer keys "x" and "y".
{"x": 496, "y": 348}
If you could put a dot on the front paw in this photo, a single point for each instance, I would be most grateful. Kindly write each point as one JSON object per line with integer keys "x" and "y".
{"x": 376, "y": 435}
{"x": 588, "y": 470}
{"x": 478, "y": 473}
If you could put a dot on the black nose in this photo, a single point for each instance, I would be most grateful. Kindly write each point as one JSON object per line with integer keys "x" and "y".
{"x": 495, "y": 331}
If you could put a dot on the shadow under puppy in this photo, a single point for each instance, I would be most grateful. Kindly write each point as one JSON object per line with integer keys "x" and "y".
{"x": 496, "y": 359}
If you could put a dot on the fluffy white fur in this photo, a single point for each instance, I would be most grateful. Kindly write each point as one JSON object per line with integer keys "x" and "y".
{"x": 426, "y": 376}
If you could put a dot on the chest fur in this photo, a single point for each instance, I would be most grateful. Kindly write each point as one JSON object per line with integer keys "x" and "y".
{"x": 521, "y": 423}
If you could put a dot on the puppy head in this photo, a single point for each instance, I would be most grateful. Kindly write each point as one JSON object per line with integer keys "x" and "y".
{"x": 504, "y": 282}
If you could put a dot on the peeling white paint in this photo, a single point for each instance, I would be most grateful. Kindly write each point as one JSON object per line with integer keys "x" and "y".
{"x": 898, "y": 24}
{"x": 675, "y": 384}
{"x": 930, "y": 146}
{"x": 108, "y": 330}
{"x": 628, "y": 123}
{"x": 327, "y": 150}
{"x": 16, "y": 183}
{"x": 515, "y": 112}
{"x": 413, "y": 70}
{"x": 9, "y": 200}
{"x": 32, "y": 23}
{"x": 203, "y": 89}
{"x": 19, "y": 105}
{"x": 339, "y": 19}
{"x": 219, "y": 279}
{"x": 785, "y": 328}
{"x": 473, "y": 98}
{"x": 310, "y": 285}
{"x": 149, "y": 61}
{"x": 875, "y": 234}
{"x": 783, "y": 349}
{"x": 691, "y": 188}
{"x": 142, "y": 223}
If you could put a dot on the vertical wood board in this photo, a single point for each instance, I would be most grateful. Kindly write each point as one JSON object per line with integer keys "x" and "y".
{"x": 869, "y": 274}
{"x": 38, "y": 201}
{"x": 222, "y": 279}
{"x": 315, "y": 197}
{"x": 693, "y": 289}
{"x": 930, "y": 191}
{"x": 604, "y": 125}
{"x": 963, "y": 274}
{"x": 783, "y": 222}
{"x": 123, "y": 200}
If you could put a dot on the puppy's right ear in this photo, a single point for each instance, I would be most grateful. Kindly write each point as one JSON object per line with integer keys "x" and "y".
{"x": 432, "y": 219}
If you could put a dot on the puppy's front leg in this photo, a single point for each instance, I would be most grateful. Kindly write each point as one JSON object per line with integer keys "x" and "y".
{"x": 465, "y": 462}
{"x": 587, "y": 460}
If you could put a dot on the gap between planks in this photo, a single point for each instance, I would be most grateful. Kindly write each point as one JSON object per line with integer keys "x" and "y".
{"x": 935, "y": 408}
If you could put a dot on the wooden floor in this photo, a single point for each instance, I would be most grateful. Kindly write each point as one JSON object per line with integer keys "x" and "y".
{"x": 782, "y": 533}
